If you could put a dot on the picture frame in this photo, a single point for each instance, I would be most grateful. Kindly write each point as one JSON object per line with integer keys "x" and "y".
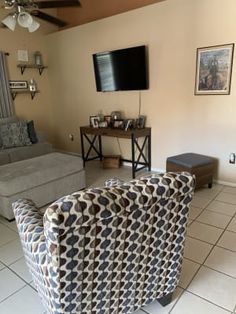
{"x": 127, "y": 124}
{"x": 94, "y": 121}
{"x": 108, "y": 119}
{"x": 214, "y": 70}
{"x": 18, "y": 84}
{"x": 140, "y": 122}
{"x": 118, "y": 124}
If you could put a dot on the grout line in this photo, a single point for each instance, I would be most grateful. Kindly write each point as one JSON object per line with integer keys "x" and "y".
{"x": 8, "y": 227}
{"x": 202, "y": 210}
{"x": 31, "y": 285}
{"x": 230, "y": 230}
{"x": 191, "y": 260}
{"x": 12, "y": 294}
{"x": 17, "y": 260}
{"x": 218, "y": 271}
{"x": 222, "y": 247}
{"x": 223, "y": 308}
{"x": 224, "y": 202}
{"x": 217, "y": 212}
{"x": 205, "y": 257}
{"x": 9, "y": 242}
{"x": 208, "y": 224}
{"x": 203, "y": 223}
{"x": 6, "y": 224}
{"x": 11, "y": 270}
{"x": 202, "y": 240}
{"x": 220, "y": 213}
{"x": 213, "y": 246}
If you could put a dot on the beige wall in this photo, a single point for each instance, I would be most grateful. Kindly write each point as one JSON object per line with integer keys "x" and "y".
{"x": 180, "y": 121}
{"x": 39, "y": 109}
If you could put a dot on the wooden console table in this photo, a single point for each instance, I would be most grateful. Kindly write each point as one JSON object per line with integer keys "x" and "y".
{"x": 140, "y": 162}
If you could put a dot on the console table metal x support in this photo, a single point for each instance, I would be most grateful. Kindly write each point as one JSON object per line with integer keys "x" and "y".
{"x": 141, "y": 157}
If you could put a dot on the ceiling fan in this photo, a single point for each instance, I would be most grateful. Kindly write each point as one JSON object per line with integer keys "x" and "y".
{"x": 25, "y": 10}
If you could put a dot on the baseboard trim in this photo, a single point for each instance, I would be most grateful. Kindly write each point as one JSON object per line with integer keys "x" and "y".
{"x": 225, "y": 183}
{"x": 159, "y": 170}
{"x": 67, "y": 152}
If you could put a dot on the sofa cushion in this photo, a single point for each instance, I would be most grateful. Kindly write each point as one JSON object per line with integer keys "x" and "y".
{"x": 31, "y": 132}
{"x": 5, "y": 121}
{"x": 14, "y": 134}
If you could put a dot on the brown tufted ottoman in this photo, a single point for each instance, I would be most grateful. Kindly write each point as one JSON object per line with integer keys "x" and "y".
{"x": 200, "y": 165}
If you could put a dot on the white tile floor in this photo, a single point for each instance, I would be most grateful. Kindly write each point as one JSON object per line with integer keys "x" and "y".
{"x": 208, "y": 281}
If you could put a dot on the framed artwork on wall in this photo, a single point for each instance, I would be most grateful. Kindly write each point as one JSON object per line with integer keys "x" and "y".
{"x": 214, "y": 70}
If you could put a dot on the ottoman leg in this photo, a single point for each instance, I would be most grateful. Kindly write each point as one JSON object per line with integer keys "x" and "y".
{"x": 166, "y": 299}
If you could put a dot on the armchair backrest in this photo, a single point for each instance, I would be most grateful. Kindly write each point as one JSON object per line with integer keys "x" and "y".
{"x": 115, "y": 249}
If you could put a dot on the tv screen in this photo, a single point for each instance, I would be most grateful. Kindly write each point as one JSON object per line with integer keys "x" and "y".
{"x": 124, "y": 69}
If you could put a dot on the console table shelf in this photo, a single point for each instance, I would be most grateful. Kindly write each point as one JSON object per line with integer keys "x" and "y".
{"x": 31, "y": 66}
{"x": 139, "y": 162}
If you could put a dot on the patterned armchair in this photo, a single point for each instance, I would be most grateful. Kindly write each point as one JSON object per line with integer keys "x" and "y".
{"x": 108, "y": 250}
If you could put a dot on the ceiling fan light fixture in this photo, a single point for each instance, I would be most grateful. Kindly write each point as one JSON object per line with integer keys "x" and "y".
{"x": 24, "y": 19}
{"x": 34, "y": 26}
{"x": 10, "y": 21}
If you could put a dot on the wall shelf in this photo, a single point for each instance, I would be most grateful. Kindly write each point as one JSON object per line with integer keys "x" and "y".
{"x": 23, "y": 91}
{"x": 31, "y": 66}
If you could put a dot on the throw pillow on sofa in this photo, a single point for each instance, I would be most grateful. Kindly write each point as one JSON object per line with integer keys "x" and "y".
{"x": 15, "y": 134}
{"x": 31, "y": 132}
{"x": 5, "y": 121}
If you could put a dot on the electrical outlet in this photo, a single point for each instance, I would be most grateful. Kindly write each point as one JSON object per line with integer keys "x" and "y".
{"x": 71, "y": 137}
{"x": 232, "y": 158}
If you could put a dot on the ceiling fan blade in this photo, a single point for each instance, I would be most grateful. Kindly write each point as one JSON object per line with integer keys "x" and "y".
{"x": 57, "y": 4}
{"x": 48, "y": 18}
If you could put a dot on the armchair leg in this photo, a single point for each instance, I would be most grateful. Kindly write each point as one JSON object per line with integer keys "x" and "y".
{"x": 166, "y": 299}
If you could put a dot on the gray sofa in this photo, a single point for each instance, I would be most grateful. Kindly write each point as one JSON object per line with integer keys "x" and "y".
{"x": 14, "y": 154}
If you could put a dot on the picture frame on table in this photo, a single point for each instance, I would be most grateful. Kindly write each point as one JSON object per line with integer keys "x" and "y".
{"x": 108, "y": 119}
{"x": 128, "y": 124}
{"x": 140, "y": 122}
{"x": 214, "y": 70}
{"x": 94, "y": 121}
{"x": 118, "y": 124}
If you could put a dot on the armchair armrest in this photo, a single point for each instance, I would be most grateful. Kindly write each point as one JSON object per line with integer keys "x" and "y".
{"x": 28, "y": 217}
{"x": 31, "y": 230}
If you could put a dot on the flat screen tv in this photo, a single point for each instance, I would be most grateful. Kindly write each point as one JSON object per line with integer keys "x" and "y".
{"x": 119, "y": 70}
